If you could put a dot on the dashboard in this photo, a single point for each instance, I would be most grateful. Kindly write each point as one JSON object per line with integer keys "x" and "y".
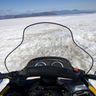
{"x": 49, "y": 61}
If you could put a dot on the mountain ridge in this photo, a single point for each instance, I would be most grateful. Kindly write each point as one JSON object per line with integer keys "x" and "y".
{"x": 47, "y": 13}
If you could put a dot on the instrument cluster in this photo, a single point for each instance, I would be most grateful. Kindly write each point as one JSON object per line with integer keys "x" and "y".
{"x": 55, "y": 63}
{"x": 49, "y": 61}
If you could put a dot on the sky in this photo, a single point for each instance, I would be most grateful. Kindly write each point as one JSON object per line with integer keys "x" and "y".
{"x": 23, "y": 6}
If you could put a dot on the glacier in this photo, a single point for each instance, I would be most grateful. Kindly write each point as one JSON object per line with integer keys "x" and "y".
{"x": 83, "y": 27}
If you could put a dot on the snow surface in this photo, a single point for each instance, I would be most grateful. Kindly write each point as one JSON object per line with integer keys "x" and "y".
{"x": 83, "y": 27}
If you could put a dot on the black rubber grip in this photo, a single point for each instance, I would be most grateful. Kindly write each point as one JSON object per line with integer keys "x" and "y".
{"x": 2, "y": 76}
{"x": 90, "y": 76}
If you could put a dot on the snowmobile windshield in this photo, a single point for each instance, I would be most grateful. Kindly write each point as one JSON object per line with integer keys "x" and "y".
{"x": 47, "y": 39}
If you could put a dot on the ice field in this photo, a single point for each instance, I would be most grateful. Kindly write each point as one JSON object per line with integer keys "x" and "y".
{"x": 83, "y": 27}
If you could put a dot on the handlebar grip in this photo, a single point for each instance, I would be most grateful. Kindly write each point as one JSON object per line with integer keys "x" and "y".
{"x": 8, "y": 75}
{"x": 3, "y": 76}
{"x": 90, "y": 76}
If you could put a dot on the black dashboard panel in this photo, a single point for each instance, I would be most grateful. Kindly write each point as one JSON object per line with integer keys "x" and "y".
{"x": 49, "y": 61}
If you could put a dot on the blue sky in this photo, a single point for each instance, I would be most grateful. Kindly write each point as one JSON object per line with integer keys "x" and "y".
{"x": 22, "y": 6}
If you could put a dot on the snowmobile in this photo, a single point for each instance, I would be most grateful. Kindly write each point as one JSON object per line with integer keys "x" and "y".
{"x": 48, "y": 62}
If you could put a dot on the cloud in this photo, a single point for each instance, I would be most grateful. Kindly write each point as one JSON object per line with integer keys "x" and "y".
{"x": 6, "y": 12}
{"x": 32, "y": 11}
{"x": 14, "y": 12}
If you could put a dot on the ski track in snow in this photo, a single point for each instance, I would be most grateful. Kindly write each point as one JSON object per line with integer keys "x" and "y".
{"x": 83, "y": 28}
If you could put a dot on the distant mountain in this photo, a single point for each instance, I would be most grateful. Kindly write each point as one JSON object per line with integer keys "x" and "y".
{"x": 28, "y": 15}
{"x": 50, "y": 13}
{"x": 75, "y": 11}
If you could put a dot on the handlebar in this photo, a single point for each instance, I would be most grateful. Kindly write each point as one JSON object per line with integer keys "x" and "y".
{"x": 50, "y": 71}
{"x": 43, "y": 71}
{"x": 3, "y": 76}
{"x": 8, "y": 75}
{"x": 90, "y": 76}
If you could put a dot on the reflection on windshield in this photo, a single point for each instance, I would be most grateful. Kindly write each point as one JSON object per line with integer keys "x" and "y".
{"x": 47, "y": 39}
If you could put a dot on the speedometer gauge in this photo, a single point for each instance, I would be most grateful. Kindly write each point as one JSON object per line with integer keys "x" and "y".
{"x": 40, "y": 64}
{"x": 57, "y": 64}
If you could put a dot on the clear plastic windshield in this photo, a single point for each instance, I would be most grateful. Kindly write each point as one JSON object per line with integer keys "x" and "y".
{"x": 47, "y": 39}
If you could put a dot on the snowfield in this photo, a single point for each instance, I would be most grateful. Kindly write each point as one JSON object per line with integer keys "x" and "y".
{"x": 83, "y": 28}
